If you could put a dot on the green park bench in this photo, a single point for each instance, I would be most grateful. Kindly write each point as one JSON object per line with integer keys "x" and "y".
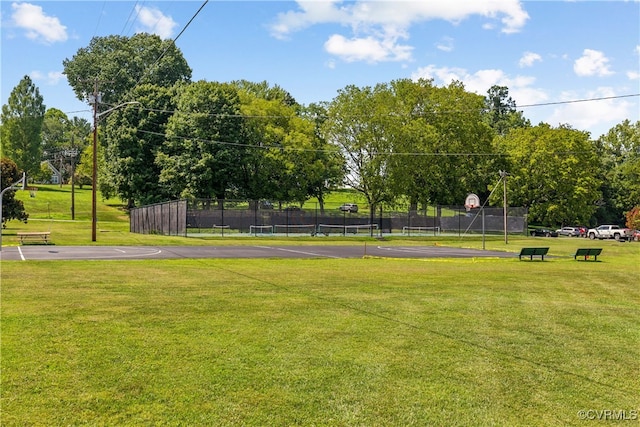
{"x": 588, "y": 252}
{"x": 531, "y": 252}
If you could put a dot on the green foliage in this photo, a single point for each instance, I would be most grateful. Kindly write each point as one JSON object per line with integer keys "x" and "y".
{"x": 204, "y": 148}
{"x": 132, "y": 139}
{"x": 412, "y": 139}
{"x": 554, "y": 172}
{"x": 63, "y": 140}
{"x": 355, "y": 123}
{"x": 620, "y": 169}
{"x": 121, "y": 63}
{"x": 22, "y": 119}
{"x": 633, "y": 218}
{"x": 500, "y": 111}
{"x": 12, "y": 208}
{"x": 448, "y": 148}
{"x": 44, "y": 175}
{"x": 289, "y": 160}
{"x": 54, "y": 128}
{"x": 84, "y": 169}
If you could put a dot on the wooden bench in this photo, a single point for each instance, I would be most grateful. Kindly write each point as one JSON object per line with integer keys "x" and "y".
{"x": 34, "y": 235}
{"x": 531, "y": 252}
{"x": 588, "y": 252}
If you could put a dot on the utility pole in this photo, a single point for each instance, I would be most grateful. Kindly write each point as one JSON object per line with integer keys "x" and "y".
{"x": 95, "y": 99}
{"x": 94, "y": 175}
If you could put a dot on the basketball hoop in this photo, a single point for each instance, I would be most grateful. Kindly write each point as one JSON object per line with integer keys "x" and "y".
{"x": 472, "y": 201}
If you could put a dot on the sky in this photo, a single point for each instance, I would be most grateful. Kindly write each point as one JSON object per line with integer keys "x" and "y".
{"x": 564, "y": 62}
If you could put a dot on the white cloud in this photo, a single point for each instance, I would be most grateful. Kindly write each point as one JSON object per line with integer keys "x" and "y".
{"x": 528, "y": 59}
{"x": 39, "y": 26}
{"x": 594, "y": 116}
{"x": 155, "y": 22}
{"x": 383, "y": 23}
{"x": 367, "y": 49}
{"x": 51, "y": 78}
{"x": 600, "y": 114}
{"x": 445, "y": 45}
{"x": 520, "y": 87}
{"x": 592, "y": 63}
{"x": 633, "y": 75}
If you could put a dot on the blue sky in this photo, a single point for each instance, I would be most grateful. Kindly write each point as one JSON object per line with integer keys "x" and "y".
{"x": 545, "y": 52}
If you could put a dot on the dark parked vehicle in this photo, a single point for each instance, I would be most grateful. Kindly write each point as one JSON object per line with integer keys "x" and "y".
{"x": 543, "y": 232}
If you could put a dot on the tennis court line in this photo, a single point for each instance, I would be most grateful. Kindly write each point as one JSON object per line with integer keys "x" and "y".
{"x": 298, "y": 252}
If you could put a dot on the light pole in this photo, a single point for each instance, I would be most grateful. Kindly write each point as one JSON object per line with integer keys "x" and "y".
{"x": 95, "y": 99}
{"x": 14, "y": 186}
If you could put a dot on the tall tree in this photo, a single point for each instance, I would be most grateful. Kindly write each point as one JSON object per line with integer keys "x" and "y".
{"x": 500, "y": 111}
{"x": 118, "y": 64}
{"x": 288, "y": 160}
{"x": 326, "y": 166}
{"x": 204, "y": 149}
{"x": 11, "y": 208}
{"x": 554, "y": 172}
{"x": 22, "y": 119}
{"x": 132, "y": 140}
{"x": 263, "y": 90}
{"x": 441, "y": 151}
{"x": 620, "y": 156}
{"x": 356, "y": 123}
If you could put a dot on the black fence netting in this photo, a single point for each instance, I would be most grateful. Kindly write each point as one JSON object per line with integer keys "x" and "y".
{"x": 239, "y": 217}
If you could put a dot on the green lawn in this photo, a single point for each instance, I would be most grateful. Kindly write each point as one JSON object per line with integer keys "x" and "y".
{"x": 318, "y": 342}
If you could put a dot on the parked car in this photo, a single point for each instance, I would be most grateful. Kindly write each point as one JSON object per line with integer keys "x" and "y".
{"x": 636, "y": 235}
{"x": 349, "y": 207}
{"x": 610, "y": 232}
{"x": 543, "y": 232}
{"x": 569, "y": 231}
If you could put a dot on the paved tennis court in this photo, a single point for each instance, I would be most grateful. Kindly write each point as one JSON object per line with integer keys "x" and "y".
{"x": 44, "y": 252}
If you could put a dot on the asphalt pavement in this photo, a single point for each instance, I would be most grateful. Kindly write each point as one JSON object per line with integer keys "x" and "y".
{"x": 51, "y": 252}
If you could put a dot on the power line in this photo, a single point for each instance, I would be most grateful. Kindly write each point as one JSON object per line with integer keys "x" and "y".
{"x": 604, "y": 98}
{"x": 396, "y": 115}
{"x": 168, "y": 46}
{"x": 309, "y": 150}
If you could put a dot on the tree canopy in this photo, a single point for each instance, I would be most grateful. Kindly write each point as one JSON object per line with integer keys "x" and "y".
{"x": 118, "y": 64}
{"x": 11, "y": 208}
{"x": 22, "y": 119}
{"x": 554, "y": 173}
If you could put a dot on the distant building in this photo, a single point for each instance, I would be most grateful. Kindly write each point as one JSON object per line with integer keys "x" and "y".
{"x": 56, "y": 175}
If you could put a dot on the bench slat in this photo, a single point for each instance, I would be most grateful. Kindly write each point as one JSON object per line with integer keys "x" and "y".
{"x": 531, "y": 252}
{"x": 588, "y": 252}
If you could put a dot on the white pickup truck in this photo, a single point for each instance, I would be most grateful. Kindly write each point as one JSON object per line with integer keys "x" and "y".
{"x": 610, "y": 232}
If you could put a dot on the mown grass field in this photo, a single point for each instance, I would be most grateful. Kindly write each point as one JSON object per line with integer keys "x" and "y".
{"x": 323, "y": 341}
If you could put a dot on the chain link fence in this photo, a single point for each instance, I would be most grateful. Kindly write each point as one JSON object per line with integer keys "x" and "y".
{"x": 257, "y": 218}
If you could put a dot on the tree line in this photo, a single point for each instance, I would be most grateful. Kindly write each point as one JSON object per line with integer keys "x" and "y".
{"x": 163, "y": 136}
